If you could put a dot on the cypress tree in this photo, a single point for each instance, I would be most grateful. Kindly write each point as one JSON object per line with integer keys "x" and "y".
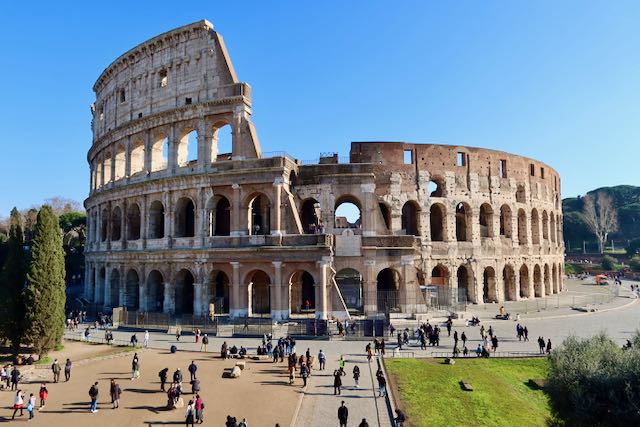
{"x": 45, "y": 295}
{"x": 12, "y": 284}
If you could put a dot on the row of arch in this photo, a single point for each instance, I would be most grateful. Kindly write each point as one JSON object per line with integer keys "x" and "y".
{"x": 112, "y": 165}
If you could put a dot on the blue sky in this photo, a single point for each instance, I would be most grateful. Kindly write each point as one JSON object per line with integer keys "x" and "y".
{"x": 556, "y": 81}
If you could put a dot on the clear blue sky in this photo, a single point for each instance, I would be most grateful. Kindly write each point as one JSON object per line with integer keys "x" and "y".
{"x": 556, "y": 81}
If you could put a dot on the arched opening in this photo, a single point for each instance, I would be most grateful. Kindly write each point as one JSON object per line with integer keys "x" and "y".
{"x": 99, "y": 296}
{"x": 552, "y": 227}
{"x": 437, "y": 215}
{"x": 440, "y": 275}
{"x": 535, "y": 227}
{"x": 119, "y": 162}
{"x": 133, "y": 222}
{"x": 222, "y": 143}
{"x": 386, "y": 214}
{"x": 184, "y": 292}
{"x": 348, "y": 213}
{"x": 219, "y": 216}
{"x": 486, "y": 220}
{"x": 545, "y": 225}
{"x": 547, "y": 280}
{"x": 99, "y": 182}
{"x": 132, "y": 291}
{"x": 259, "y": 292}
{"x": 505, "y": 221}
{"x": 521, "y": 195}
{"x": 509, "y": 281}
{"x": 463, "y": 222}
{"x": 436, "y": 187}
{"x": 522, "y": 227}
{"x": 259, "y": 215}
{"x": 310, "y": 216}
{"x": 219, "y": 292}
{"x": 388, "y": 287}
{"x": 116, "y": 224}
{"x": 159, "y": 153}
{"x": 302, "y": 293}
{"x": 489, "y": 285}
{"x": 107, "y": 168}
{"x": 410, "y": 218}
{"x": 188, "y": 149}
{"x": 156, "y": 220}
{"x": 155, "y": 292}
{"x": 137, "y": 157}
{"x": 465, "y": 284}
{"x": 104, "y": 225}
{"x": 524, "y": 282}
{"x": 114, "y": 288}
{"x": 185, "y": 217}
{"x": 349, "y": 282}
{"x": 537, "y": 281}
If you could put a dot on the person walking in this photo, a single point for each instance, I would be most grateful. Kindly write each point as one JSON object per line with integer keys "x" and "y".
{"x": 337, "y": 381}
{"x": 322, "y": 360}
{"x": 115, "y": 392}
{"x": 190, "y": 414}
{"x": 363, "y": 423}
{"x": 382, "y": 384}
{"x": 178, "y": 333}
{"x": 163, "y": 377}
{"x": 343, "y": 414}
{"x": 525, "y": 331}
{"x": 549, "y": 346}
{"x": 94, "y": 393}
{"x": 304, "y": 373}
{"x": 67, "y": 370}
{"x": 199, "y": 406}
{"x": 192, "y": 370}
{"x": 134, "y": 340}
{"x": 541, "y": 344}
{"x": 356, "y": 375}
{"x": 15, "y": 378}
{"x": 55, "y": 368}
{"x": 18, "y": 404}
{"x": 31, "y": 404}
{"x": 146, "y": 339}
{"x": 341, "y": 363}
{"x": 43, "y": 394}
{"x": 197, "y": 335}
{"x": 463, "y": 337}
{"x": 177, "y": 376}
{"x": 400, "y": 418}
{"x": 135, "y": 367}
{"x": 205, "y": 343}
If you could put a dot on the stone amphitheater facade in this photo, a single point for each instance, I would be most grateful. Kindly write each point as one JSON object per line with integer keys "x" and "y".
{"x": 176, "y": 225}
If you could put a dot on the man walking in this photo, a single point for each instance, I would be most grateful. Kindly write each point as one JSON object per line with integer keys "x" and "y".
{"x": 67, "y": 370}
{"x": 541, "y": 344}
{"x": 343, "y": 415}
{"x": 115, "y": 392}
{"x": 93, "y": 393}
{"x": 322, "y": 359}
{"x": 205, "y": 343}
{"x": 55, "y": 368}
{"x": 146, "y": 339}
{"x": 192, "y": 370}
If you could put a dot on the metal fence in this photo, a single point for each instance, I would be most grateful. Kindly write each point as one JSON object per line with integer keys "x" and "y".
{"x": 470, "y": 355}
{"x": 152, "y": 320}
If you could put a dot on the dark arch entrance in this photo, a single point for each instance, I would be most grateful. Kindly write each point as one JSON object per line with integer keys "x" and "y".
{"x": 388, "y": 287}
{"x": 310, "y": 216}
{"x": 437, "y": 215}
{"x": 489, "y": 286}
{"x": 184, "y": 292}
{"x": 219, "y": 292}
{"x": 302, "y": 293}
{"x": 349, "y": 282}
{"x": 185, "y": 218}
{"x": 114, "y": 291}
{"x": 260, "y": 293}
{"x": 410, "y": 218}
{"x": 132, "y": 291}
{"x": 155, "y": 292}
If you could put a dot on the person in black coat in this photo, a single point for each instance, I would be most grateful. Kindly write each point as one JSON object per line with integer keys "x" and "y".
{"x": 163, "y": 377}
{"x": 343, "y": 414}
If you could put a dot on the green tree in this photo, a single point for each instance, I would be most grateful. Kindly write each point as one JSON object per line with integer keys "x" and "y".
{"x": 608, "y": 263}
{"x": 45, "y": 293}
{"x": 12, "y": 282}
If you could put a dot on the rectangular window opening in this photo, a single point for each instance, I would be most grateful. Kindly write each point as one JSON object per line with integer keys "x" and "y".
{"x": 542, "y": 173}
{"x": 123, "y": 96}
{"x": 461, "y": 159}
{"x": 408, "y": 157}
{"x": 532, "y": 169}
{"x": 187, "y": 101}
{"x": 163, "y": 78}
{"x": 139, "y": 115}
{"x": 503, "y": 168}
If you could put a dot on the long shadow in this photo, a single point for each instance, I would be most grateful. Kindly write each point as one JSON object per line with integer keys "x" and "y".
{"x": 273, "y": 382}
{"x": 143, "y": 390}
{"x": 154, "y": 409}
{"x": 162, "y": 423}
{"x": 113, "y": 373}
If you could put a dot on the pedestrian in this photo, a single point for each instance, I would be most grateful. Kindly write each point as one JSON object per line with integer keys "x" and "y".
{"x": 195, "y": 386}
{"x": 341, "y": 363}
{"x": 525, "y": 331}
{"x": 449, "y": 324}
{"x": 337, "y": 381}
{"x": 343, "y": 414}
{"x": 494, "y": 343}
{"x": 178, "y": 333}
{"x": 163, "y": 377}
{"x": 549, "y": 346}
{"x": 15, "y": 378}
{"x": 55, "y": 368}
{"x": 94, "y": 393}
{"x": 134, "y": 340}
{"x": 177, "y": 376}
{"x": 43, "y": 395}
{"x": 243, "y": 423}
{"x": 304, "y": 373}
{"x": 455, "y": 338}
{"x": 322, "y": 360}
{"x": 205, "y": 343}
{"x": 356, "y": 375}
{"x": 190, "y": 414}
{"x": 199, "y": 405}
{"x": 400, "y": 418}
{"x": 18, "y": 404}
{"x": 197, "y": 335}
{"x": 146, "y": 339}
{"x": 363, "y": 423}
{"x": 541, "y": 344}
{"x": 135, "y": 367}
{"x": 67, "y": 370}
{"x": 115, "y": 391}
{"x": 31, "y": 404}
{"x": 192, "y": 370}
{"x": 463, "y": 337}
{"x": 382, "y": 385}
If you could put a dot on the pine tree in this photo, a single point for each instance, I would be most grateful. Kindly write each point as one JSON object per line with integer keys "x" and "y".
{"x": 45, "y": 293}
{"x": 12, "y": 284}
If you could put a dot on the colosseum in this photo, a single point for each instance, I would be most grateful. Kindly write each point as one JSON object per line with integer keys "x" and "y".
{"x": 187, "y": 216}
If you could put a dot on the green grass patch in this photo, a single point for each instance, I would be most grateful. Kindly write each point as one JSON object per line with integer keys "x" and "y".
{"x": 431, "y": 394}
{"x": 45, "y": 360}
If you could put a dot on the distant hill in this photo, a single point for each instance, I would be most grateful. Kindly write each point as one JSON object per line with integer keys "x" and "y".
{"x": 627, "y": 201}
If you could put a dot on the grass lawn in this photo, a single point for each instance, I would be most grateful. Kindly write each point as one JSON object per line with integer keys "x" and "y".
{"x": 430, "y": 393}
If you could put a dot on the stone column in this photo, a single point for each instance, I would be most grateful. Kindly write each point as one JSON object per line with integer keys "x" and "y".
{"x": 236, "y": 223}
{"x": 172, "y": 161}
{"x": 147, "y": 152}
{"x": 142, "y": 289}
{"x": 276, "y": 218}
{"x": 238, "y": 307}
{"x": 370, "y": 288}
{"x": 197, "y": 297}
{"x": 88, "y": 289}
{"x": 200, "y": 221}
{"x": 107, "y": 286}
{"x": 122, "y": 288}
{"x": 278, "y": 309}
{"x": 144, "y": 221}
{"x": 96, "y": 281}
{"x": 408, "y": 297}
{"x": 127, "y": 158}
{"x": 168, "y": 218}
{"x": 169, "y": 303}
{"x": 367, "y": 214}
{"x": 204, "y": 145}
{"x": 321, "y": 291}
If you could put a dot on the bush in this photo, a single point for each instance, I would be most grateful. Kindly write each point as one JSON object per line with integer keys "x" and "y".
{"x": 609, "y": 263}
{"x": 634, "y": 263}
{"x": 634, "y": 247}
{"x": 593, "y": 382}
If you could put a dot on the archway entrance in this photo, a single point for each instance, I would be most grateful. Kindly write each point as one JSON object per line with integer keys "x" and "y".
{"x": 410, "y": 218}
{"x": 259, "y": 293}
{"x": 509, "y": 281}
{"x": 524, "y": 282}
{"x": 259, "y": 215}
{"x": 132, "y": 291}
{"x": 489, "y": 286}
{"x": 184, "y": 292}
{"x": 219, "y": 292}
{"x": 114, "y": 291}
{"x": 349, "y": 282}
{"x": 537, "y": 281}
{"x": 302, "y": 293}
{"x": 437, "y": 214}
{"x": 388, "y": 287}
{"x": 185, "y": 218}
{"x": 155, "y": 292}
{"x": 310, "y": 216}
{"x": 466, "y": 291}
